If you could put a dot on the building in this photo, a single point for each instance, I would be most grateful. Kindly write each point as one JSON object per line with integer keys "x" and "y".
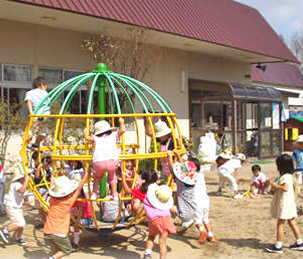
{"x": 205, "y": 72}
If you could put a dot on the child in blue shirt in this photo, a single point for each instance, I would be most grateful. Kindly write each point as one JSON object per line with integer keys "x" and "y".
{"x": 297, "y": 157}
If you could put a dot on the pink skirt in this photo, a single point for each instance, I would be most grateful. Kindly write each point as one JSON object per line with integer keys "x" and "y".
{"x": 162, "y": 225}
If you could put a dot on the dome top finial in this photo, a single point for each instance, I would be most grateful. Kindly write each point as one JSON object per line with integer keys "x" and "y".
{"x": 101, "y": 67}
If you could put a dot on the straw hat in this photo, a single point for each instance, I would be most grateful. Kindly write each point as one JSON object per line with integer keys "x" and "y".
{"x": 300, "y": 139}
{"x": 186, "y": 172}
{"x": 160, "y": 196}
{"x": 18, "y": 173}
{"x": 161, "y": 129}
{"x": 241, "y": 156}
{"x": 63, "y": 186}
{"x": 103, "y": 126}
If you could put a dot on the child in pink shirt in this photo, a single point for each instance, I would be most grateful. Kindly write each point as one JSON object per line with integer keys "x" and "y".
{"x": 157, "y": 201}
{"x": 106, "y": 154}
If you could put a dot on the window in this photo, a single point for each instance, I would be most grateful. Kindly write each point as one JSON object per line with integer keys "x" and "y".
{"x": 13, "y": 73}
{"x": 53, "y": 76}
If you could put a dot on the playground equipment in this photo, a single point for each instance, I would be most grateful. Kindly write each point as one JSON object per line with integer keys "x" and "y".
{"x": 106, "y": 92}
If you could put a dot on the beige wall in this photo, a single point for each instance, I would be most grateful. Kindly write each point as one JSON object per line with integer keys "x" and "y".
{"x": 30, "y": 44}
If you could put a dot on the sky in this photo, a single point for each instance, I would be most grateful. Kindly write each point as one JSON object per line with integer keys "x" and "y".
{"x": 284, "y": 16}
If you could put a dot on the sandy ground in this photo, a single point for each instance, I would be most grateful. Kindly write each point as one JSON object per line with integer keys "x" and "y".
{"x": 242, "y": 228}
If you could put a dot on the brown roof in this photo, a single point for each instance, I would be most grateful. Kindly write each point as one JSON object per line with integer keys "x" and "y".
{"x": 278, "y": 74}
{"x": 222, "y": 22}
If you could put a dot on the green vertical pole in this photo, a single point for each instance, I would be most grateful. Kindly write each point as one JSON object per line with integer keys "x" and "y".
{"x": 101, "y": 68}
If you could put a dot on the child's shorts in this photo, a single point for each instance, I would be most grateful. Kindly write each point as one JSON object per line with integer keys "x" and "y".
{"x": 162, "y": 225}
{"x": 109, "y": 166}
{"x": 58, "y": 243}
{"x": 16, "y": 216}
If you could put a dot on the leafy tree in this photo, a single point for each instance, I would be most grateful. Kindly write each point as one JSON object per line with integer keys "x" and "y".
{"x": 296, "y": 45}
{"x": 131, "y": 56}
{"x": 12, "y": 122}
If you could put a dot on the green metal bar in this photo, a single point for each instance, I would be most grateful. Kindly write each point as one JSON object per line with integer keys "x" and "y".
{"x": 72, "y": 92}
{"x": 114, "y": 92}
{"x": 136, "y": 93}
{"x": 91, "y": 94}
{"x": 126, "y": 93}
{"x": 53, "y": 94}
{"x": 154, "y": 94}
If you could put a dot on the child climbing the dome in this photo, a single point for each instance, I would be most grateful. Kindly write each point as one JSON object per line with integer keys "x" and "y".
{"x": 163, "y": 135}
{"x": 130, "y": 172}
{"x": 283, "y": 205}
{"x": 106, "y": 153}
{"x": 193, "y": 201}
{"x": 157, "y": 201}
{"x": 33, "y": 98}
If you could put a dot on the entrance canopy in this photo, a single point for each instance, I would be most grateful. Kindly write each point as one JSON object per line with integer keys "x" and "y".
{"x": 258, "y": 93}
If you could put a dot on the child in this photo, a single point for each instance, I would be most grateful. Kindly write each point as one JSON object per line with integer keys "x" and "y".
{"x": 75, "y": 170}
{"x": 130, "y": 170}
{"x": 283, "y": 205}
{"x": 106, "y": 154}
{"x": 2, "y": 192}
{"x": 43, "y": 169}
{"x": 226, "y": 173}
{"x": 157, "y": 200}
{"x": 164, "y": 136}
{"x": 83, "y": 215}
{"x": 13, "y": 202}
{"x": 33, "y": 98}
{"x": 193, "y": 201}
{"x": 259, "y": 182}
{"x": 63, "y": 192}
{"x": 297, "y": 157}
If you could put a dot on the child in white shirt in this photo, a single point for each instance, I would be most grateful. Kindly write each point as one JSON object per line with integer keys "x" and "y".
{"x": 259, "y": 182}
{"x": 106, "y": 154}
{"x": 13, "y": 201}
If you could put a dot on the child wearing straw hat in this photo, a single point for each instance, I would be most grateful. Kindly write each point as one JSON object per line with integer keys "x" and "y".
{"x": 13, "y": 201}
{"x": 157, "y": 201}
{"x": 297, "y": 157}
{"x": 193, "y": 201}
{"x": 64, "y": 192}
{"x": 106, "y": 154}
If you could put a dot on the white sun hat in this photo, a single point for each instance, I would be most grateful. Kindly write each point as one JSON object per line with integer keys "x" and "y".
{"x": 241, "y": 156}
{"x": 63, "y": 186}
{"x": 161, "y": 129}
{"x": 226, "y": 155}
{"x": 300, "y": 139}
{"x": 160, "y": 196}
{"x": 18, "y": 173}
{"x": 103, "y": 126}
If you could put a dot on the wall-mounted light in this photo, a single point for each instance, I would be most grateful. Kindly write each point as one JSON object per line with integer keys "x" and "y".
{"x": 261, "y": 67}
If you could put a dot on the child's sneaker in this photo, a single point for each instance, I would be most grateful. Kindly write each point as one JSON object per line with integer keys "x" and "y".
{"x": 20, "y": 241}
{"x": 273, "y": 249}
{"x": 211, "y": 239}
{"x": 148, "y": 256}
{"x": 202, "y": 237}
{"x": 238, "y": 196}
{"x": 296, "y": 246}
{"x": 35, "y": 147}
{"x": 187, "y": 224}
{"x": 4, "y": 236}
{"x": 29, "y": 148}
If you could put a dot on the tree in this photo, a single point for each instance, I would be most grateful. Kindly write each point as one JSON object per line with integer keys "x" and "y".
{"x": 131, "y": 56}
{"x": 12, "y": 122}
{"x": 296, "y": 45}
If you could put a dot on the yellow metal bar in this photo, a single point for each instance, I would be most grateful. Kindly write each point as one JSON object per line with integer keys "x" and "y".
{"x": 103, "y": 115}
